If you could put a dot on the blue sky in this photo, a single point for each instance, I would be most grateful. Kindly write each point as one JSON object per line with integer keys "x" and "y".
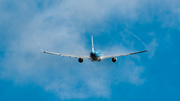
{"x": 65, "y": 26}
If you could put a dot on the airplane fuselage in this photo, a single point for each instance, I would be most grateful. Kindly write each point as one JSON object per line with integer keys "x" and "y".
{"x": 96, "y": 55}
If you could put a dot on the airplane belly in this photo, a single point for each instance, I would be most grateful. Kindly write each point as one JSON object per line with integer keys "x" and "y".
{"x": 95, "y": 59}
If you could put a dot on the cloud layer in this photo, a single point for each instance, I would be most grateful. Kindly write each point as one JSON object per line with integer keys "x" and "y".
{"x": 62, "y": 26}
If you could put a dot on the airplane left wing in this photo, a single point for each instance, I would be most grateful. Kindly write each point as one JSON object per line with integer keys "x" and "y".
{"x": 105, "y": 57}
{"x": 76, "y": 56}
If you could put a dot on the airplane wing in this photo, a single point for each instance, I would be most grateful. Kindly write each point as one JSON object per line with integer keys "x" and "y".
{"x": 105, "y": 57}
{"x": 76, "y": 56}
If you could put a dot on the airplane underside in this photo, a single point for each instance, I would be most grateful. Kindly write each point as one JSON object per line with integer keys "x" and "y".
{"x": 95, "y": 58}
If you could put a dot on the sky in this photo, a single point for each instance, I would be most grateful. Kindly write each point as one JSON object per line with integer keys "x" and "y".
{"x": 66, "y": 26}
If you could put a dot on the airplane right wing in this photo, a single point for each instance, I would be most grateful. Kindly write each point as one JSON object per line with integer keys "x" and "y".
{"x": 105, "y": 57}
{"x": 76, "y": 56}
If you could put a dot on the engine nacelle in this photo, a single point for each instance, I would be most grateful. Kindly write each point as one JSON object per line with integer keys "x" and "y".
{"x": 114, "y": 59}
{"x": 80, "y": 60}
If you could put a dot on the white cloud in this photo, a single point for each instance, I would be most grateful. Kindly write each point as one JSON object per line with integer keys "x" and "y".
{"x": 61, "y": 28}
{"x": 152, "y": 48}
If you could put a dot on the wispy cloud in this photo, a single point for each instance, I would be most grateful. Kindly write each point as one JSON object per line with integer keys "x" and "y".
{"x": 152, "y": 48}
{"x": 61, "y": 27}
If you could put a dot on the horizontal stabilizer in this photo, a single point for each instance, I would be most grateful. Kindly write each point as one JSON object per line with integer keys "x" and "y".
{"x": 82, "y": 53}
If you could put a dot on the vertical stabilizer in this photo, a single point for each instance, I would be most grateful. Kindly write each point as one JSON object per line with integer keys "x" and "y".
{"x": 92, "y": 44}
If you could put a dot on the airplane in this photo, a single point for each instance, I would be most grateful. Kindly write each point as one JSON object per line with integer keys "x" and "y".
{"x": 94, "y": 55}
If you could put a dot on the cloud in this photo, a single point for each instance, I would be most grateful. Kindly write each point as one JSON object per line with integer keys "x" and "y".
{"x": 152, "y": 48}
{"x": 61, "y": 26}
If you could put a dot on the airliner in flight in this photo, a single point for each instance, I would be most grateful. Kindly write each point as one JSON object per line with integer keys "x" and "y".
{"x": 94, "y": 55}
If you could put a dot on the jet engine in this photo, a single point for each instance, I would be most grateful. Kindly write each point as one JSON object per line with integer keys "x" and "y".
{"x": 114, "y": 59}
{"x": 80, "y": 60}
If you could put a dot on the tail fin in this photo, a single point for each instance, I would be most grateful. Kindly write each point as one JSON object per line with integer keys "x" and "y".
{"x": 92, "y": 44}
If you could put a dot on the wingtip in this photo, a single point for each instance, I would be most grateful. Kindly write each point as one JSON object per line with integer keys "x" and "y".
{"x": 145, "y": 50}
